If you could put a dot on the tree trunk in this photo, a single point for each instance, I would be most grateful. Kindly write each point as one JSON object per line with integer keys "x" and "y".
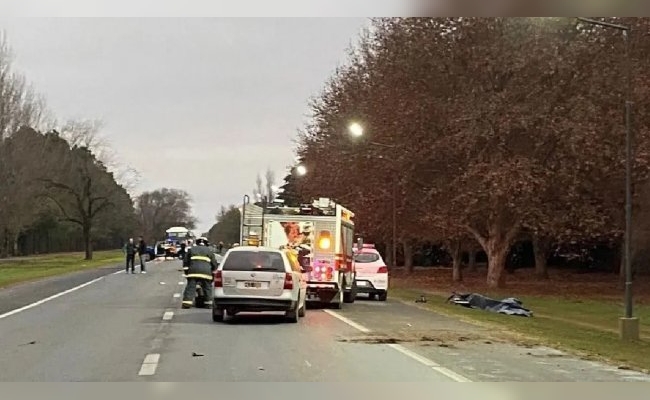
{"x": 5, "y": 244}
{"x": 408, "y": 256}
{"x": 497, "y": 253}
{"x": 15, "y": 250}
{"x": 540, "y": 248}
{"x": 471, "y": 255}
{"x": 88, "y": 246}
{"x": 621, "y": 267}
{"x": 389, "y": 254}
{"x": 457, "y": 256}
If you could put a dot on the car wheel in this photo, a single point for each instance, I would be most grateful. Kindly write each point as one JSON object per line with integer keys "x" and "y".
{"x": 383, "y": 296}
{"x": 301, "y": 310}
{"x": 372, "y": 296}
{"x": 292, "y": 315}
{"x": 217, "y": 314}
{"x": 350, "y": 296}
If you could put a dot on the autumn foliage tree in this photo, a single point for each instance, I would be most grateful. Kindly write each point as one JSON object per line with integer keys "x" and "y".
{"x": 489, "y": 127}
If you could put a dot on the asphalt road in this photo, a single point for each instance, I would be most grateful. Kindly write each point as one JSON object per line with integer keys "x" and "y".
{"x": 119, "y": 327}
{"x": 130, "y": 328}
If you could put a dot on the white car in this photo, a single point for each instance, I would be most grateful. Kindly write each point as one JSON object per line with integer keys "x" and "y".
{"x": 372, "y": 272}
{"x": 258, "y": 279}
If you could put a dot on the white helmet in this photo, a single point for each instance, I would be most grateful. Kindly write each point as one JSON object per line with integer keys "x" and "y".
{"x": 202, "y": 241}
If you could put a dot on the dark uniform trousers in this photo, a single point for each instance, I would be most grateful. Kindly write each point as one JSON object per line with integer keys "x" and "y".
{"x": 198, "y": 266}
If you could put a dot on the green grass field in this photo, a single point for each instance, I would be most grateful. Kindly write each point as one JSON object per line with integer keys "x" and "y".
{"x": 26, "y": 269}
{"x": 588, "y": 328}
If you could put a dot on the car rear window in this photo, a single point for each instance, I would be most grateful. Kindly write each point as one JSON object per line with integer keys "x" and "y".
{"x": 254, "y": 260}
{"x": 366, "y": 257}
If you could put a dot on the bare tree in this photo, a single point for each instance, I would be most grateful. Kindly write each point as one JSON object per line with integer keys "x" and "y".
{"x": 265, "y": 188}
{"x": 20, "y": 105}
{"x": 269, "y": 176}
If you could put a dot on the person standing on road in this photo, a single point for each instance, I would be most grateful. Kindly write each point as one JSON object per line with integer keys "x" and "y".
{"x": 142, "y": 253}
{"x": 130, "y": 250}
{"x": 198, "y": 266}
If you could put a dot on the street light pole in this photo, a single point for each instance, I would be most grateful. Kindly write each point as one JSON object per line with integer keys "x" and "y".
{"x": 629, "y": 325}
{"x": 356, "y": 130}
{"x": 394, "y": 219}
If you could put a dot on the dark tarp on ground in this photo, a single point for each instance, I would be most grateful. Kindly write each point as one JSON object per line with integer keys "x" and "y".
{"x": 509, "y": 306}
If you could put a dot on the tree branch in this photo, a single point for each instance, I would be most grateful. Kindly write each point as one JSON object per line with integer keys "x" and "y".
{"x": 62, "y": 209}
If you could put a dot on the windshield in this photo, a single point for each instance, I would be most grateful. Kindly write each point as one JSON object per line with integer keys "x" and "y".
{"x": 366, "y": 257}
{"x": 254, "y": 260}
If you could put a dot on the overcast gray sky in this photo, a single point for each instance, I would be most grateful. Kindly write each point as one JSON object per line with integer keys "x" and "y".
{"x": 196, "y": 104}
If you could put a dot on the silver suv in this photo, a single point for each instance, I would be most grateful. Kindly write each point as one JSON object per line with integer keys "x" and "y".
{"x": 257, "y": 279}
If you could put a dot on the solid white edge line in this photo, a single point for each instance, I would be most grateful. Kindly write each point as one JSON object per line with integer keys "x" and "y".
{"x": 348, "y": 321}
{"x": 168, "y": 315}
{"x": 45, "y": 300}
{"x": 411, "y": 354}
{"x": 149, "y": 365}
{"x": 429, "y": 363}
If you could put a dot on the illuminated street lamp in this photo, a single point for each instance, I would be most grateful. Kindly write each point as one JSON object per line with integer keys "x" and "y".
{"x": 356, "y": 129}
{"x": 301, "y": 170}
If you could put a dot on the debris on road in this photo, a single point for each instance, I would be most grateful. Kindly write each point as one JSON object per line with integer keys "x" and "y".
{"x": 162, "y": 283}
{"x": 27, "y": 344}
{"x": 197, "y": 355}
{"x": 422, "y": 299}
{"x": 508, "y": 306}
{"x": 260, "y": 368}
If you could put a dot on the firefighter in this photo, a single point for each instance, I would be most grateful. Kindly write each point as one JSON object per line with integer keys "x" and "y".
{"x": 198, "y": 266}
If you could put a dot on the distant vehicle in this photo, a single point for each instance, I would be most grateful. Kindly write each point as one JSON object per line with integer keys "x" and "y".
{"x": 151, "y": 253}
{"x": 177, "y": 234}
{"x": 174, "y": 236}
{"x": 258, "y": 279}
{"x": 372, "y": 272}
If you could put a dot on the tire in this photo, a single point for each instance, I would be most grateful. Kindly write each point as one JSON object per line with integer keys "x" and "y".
{"x": 217, "y": 314}
{"x": 383, "y": 296}
{"x": 351, "y": 296}
{"x": 292, "y": 315}
{"x": 302, "y": 310}
{"x": 372, "y": 296}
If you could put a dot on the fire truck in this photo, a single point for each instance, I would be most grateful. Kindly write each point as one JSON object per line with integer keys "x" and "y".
{"x": 320, "y": 233}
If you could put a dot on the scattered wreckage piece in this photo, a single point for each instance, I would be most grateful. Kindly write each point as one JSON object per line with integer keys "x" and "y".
{"x": 508, "y": 306}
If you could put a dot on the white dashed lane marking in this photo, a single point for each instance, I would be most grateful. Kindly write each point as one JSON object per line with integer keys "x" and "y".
{"x": 149, "y": 365}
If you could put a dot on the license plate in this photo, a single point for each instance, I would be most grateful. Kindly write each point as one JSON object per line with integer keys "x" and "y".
{"x": 254, "y": 285}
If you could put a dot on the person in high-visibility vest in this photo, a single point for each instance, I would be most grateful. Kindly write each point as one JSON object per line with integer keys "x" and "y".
{"x": 198, "y": 266}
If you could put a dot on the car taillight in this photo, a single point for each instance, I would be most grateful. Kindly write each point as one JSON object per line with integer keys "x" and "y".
{"x": 218, "y": 279}
{"x": 288, "y": 281}
{"x": 382, "y": 270}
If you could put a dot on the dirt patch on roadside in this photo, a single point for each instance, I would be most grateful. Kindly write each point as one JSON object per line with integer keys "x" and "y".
{"x": 440, "y": 338}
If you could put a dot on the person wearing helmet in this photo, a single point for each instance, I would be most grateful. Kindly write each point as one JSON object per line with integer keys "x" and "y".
{"x": 198, "y": 267}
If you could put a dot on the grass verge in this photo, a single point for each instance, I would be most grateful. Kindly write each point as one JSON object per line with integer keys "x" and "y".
{"x": 587, "y": 328}
{"x": 32, "y": 268}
